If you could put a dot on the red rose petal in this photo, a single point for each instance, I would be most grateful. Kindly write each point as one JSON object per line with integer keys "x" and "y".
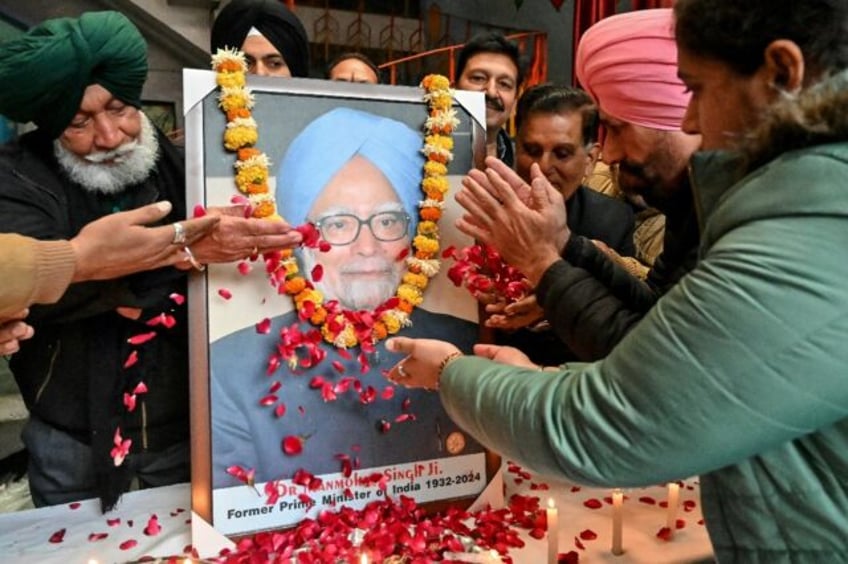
{"x": 588, "y": 535}
{"x": 538, "y": 533}
{"x": 94, "y": 537}
{"x": 128, "y": 544}
{"x": 270, "y": 399}
{"x": 317, "y": 273}
{"x": 664, "y": 534}
{"x": 141, "y": 338}
{"x": 579, "y": 544}
{"x": 680, "y": 524}
{"x": 140, "y": 388}
{"x": 74, "y": 505}
{"x": 224, "y": 293}
{"x": 131, "y": 359}
{"x": 244, "y": 268}
{"x": 264, "y": 326}
{"x": 199, "y": 211}
{"x": 129, "y": 402}
{"x": 647, "y": 500}
{"x": 113, "y": 522}
{"x": 58, "y": 536}
{"x": 292, "y": 445}
{"x": 593, "y": 503}
{"x": 280, "y": 410}
{"x": 153, "y": 527}
{"x": 178, "y": 299}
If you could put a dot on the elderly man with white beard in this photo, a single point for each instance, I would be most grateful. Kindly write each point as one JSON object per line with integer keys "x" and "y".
{"x": 106, "y": 375}
{"x": 361, "y": 190}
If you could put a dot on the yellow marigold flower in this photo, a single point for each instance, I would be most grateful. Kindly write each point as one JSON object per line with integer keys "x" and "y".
{"x": 428, "y": 228}
{"x": 233, "y": 98}
{"x": 346, "y": 339}
{"x": 435, "y": 82}
{"x": 432, "y": 168}
{"x": 441, "y": 102}
{"x": 410, "y": 294}
{"x": 435, "y": 184}
{"x": 440, "y": 141}
{"x": 417, "y": 280}
{"x": 391, "y": 321}
{"x": 426, "y": 244}
{"x": 230, "y": 79}
{"x": 252, "y": 180}
{"x": 291, "y": 266}
{"x": 308, "y": 295}
{"x": 240, "y": 137}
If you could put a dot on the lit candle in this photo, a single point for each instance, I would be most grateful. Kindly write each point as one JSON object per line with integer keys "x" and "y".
{"x": 617, "y": 521}
{"x": 673, "y": 500}
{"x": 553, "y": 532}
{"x": 363, "y": 558}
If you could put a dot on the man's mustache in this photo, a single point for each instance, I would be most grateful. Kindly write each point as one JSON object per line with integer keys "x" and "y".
{"x": 494, "y": 104}
{"x": 632, "y": 169}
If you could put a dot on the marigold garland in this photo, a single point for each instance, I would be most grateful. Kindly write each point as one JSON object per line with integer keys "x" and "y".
{"x": 344, "y": 329}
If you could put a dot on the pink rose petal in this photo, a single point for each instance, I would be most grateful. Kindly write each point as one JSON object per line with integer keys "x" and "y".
{"x": 178, "y": 299}
{"x": 131, "y": 359}
{"x": 128, "y": 544}
{"x": 224, "y": 293}
{"x": 58, "y": 536}
{"x": 141, "y": 338}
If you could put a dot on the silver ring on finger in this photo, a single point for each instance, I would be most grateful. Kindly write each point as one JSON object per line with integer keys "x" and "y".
{"x": 179, "y": 233}
{"x": 402, "y": 371}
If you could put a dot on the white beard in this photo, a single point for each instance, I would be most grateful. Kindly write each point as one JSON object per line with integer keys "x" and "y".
{"x": 355, "y": 294}
{"x": 129, "y": 164}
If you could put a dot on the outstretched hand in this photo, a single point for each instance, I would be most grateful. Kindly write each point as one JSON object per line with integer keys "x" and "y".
{"x": 423, "y": 363}
{"x": 505, "y": 355}
{"x": 119, "y": 244}
{"x": 526, "y": 224}
{"x": 516, "y": 315}
{"x": 236, "y": 236}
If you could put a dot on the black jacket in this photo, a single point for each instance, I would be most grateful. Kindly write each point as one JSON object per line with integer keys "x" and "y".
{"x": 592, "y": 302}
{"x": 71, "y": 373}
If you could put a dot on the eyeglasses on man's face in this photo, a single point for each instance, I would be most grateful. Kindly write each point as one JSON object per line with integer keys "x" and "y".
{"x": 344, "y": 228}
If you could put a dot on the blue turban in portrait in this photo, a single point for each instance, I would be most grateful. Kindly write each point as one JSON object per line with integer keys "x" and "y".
{"x": 333, "y": 139}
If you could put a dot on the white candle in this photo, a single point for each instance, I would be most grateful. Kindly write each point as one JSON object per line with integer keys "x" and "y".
{"x": 673, "y": 501}
{"x": 617, "y": 521}
{"x": 553, "y": 532}
{"x": 363, "y": 558}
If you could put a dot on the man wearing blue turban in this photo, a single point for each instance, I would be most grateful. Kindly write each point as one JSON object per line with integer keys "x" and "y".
{"x": 357, "y": 177}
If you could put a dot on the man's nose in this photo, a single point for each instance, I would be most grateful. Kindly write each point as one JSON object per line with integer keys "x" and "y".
{"x": 261, "y": 69}
{"x": 691, "y": 120}
{"x": 545, "y": 162}
{"x": 492, "y": 88}
{"x": 366, "y": 243}
{"x": 612, "y": 150}
{"x": 107, "y": 133}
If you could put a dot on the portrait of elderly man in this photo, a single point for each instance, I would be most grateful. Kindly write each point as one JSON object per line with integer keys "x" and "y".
{"x": 361, "y": 190}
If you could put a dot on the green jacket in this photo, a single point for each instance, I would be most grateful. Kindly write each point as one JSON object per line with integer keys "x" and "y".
{"x": 739, "y": 373}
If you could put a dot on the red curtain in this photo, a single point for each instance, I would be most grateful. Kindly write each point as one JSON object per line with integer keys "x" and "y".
{"x": 586, "y": 13}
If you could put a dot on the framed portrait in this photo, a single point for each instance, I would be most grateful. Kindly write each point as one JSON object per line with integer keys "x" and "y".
{"x": 275, "y": 442}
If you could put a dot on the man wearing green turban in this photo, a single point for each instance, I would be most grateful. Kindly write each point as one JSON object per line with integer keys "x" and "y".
{"x": 105, "y": 407}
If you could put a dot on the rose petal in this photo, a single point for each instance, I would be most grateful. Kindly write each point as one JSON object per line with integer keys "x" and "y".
{"x": 94, "y": 537}
{"x": 141, "y": 338}
{"x": 224, "y": 293}
{"x": 264, "y": 326}
{"x": 129, "y": 402}
{"x": 199, "y": 211}
{"x": 131, "y": 359}
{"x": 292, "y": 445}
{"x": 75, "y": 505}
{"x": 113, "y": 522}
{"x": 588, "y": 535}
{"x": 593, "y": 503}
{"x": 178, "y": 299}
{"x": 317, "y": 273}
{"x": 153, "y": 527}
{"x": 140, "y": 388}
{"x": 58, "y": 536}
{"x": 128, "y": 544}
{"x": 244, "y": 268}
{"x": 280, "y": 410}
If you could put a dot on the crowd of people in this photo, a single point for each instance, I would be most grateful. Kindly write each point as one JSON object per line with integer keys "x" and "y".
{"x": 726, "y": 361}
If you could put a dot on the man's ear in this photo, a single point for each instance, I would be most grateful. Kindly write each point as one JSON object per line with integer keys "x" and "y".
{"x": 591, "y": 158}
{"x": 784, "y": 65}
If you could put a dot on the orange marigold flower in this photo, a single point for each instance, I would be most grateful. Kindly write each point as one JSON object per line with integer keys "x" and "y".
{"x": 431, "y": 214}
{"x": 405, "y": 306}
{"x": 246, "y": 153}
{"x": 229, "y": 65}
{"x": 295, "y": 285}
{"x": 237, "y": 113}
{"x": 379, "y": 331}
{"x": 264, "y": 209}
{"x": 319, "y": 316}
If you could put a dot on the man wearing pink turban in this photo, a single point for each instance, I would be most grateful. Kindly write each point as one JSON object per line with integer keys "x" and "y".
{"x": 628, "y": 64}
